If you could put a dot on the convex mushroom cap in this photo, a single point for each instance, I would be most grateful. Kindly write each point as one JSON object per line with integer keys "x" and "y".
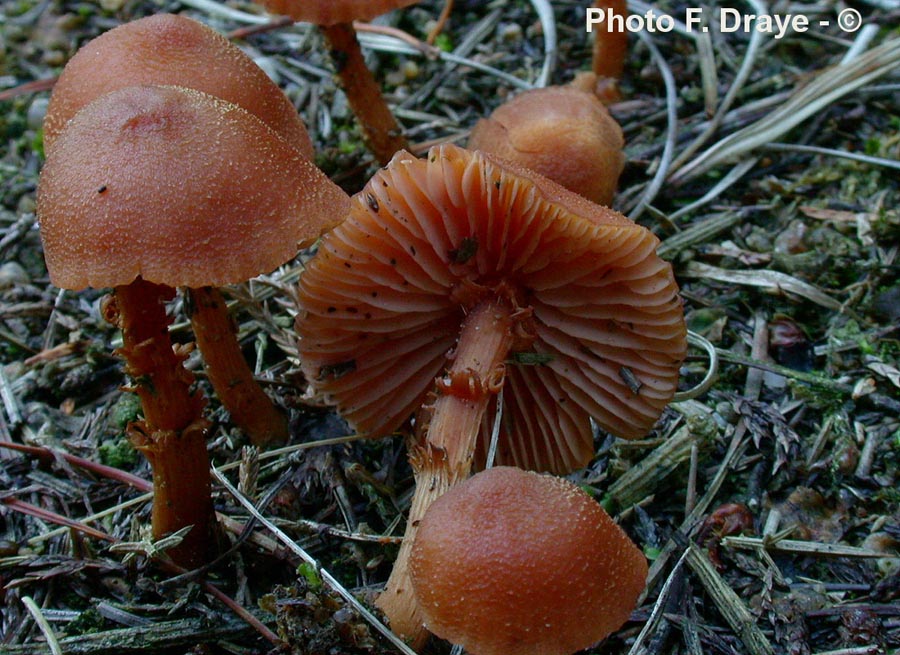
{"x": 168, "y": 49}
{"x": 511, "y": 562}
{"x": 561, "y": 132}
{"x": 178, "y": 187}
{"x": 331, "y": 12}
{"x": 600, "y": 323}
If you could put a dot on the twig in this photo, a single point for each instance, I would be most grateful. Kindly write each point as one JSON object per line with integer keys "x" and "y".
{"x": 801, "y": 547}
{"x": 691, "y": 520}
{"x": 100, "y": 469}
{"x": 759, "y": 350}
{"x": 729, "y": 604}
{"x": 441, "y": 21}
{"x": 879, "y": 400}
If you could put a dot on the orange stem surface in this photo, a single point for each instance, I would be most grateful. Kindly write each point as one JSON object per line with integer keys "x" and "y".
{"x": 172, "y": 434}
{"x": 610, "y": 45}
{"x": 250, "y": 408}
{"x": 442, "y": 456}
{"x": 379, "y": 127}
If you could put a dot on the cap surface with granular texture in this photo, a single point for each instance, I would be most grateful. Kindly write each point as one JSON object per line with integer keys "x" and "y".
{"x": 168, "y": 49}
{"x": 178, "y": 187}
{"x": 382, "y": 304}
{"x": 560, "y": 132}
{"x": 330, "y": 12}
{"x": 511, "y": 562}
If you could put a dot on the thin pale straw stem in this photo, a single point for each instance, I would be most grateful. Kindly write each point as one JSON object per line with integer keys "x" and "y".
{"x": 665, "y": 161}
{"x": 756, "y": 39}
{"x": 42, "y": 623}
{"x": 712, "y": 372}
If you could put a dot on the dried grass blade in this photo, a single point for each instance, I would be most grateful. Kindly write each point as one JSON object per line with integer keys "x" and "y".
{"x": 772, "y": 281}
{"x": 700, "y": 232}
{"x": 43, "y": 624}
{"x": 825, "y": 88}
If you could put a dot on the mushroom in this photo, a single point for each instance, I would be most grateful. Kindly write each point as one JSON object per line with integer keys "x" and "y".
{"x": 458, "y": 275}
{"x": 512, "y": 562}
{"x": 167, "y": 49}
{"x": 561, "y": 132}
{"x": 148, "y": 188}
{"x": 610, "y": 47}
{"x": 335, "y": 20}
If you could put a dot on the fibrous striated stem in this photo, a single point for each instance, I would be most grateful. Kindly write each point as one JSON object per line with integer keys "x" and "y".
{"x": 380, "y": 129}
{"x": 442, "y": 452}
{"x": 250, "y": 408}
{"x": 172, "y": 432}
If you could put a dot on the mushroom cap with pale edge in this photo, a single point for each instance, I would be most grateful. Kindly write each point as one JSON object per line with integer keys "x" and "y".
{"x": 178, "y": 187}
{"x": 383, "y": 300}
{"x": 512, "y": 562}
{"x": 560, "y": 132}
{"x": 168, "y": 49}
{"x": 330, "y": 12}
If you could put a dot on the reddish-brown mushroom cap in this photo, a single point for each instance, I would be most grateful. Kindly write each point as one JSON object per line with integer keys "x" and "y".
{"x": 560, "y": 132}
{"x": 426, "y": 239}
{"x": 511, "y": 562}
{"x": 331, "y": 12}
{"x": 178, "y": 187}
{"x": 168, "y": 49}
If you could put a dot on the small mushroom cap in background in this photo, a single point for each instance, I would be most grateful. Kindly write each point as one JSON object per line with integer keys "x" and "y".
{"x": 383, "y": 300}
{"x": 179, "y": 187}
{"x": 331, "y": 12}
{"x": 168, "y": 49}
{"x": 512, "y": 562}
{"x": 561, "y": 132}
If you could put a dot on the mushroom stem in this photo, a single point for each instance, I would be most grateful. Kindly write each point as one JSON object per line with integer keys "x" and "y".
{"x": 161, "y": 382}
{"x": 181, "y": 488}
{"x": 443, "y": 456}
{"x": 610, "y": 45}
{"x": 172, "y": 432}
{"x": 250, "y": 408}
{"x": 380, "y": 129}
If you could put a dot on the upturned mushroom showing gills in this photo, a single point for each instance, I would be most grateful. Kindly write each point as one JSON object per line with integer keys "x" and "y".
{"x": 335, "y": 19}
{"x": 561, "y": 132}
{"x": 512, "y": 562}
{"x": 458, "y": 275}
{"x": 167, "y": 49}
{"x": 148, "y": 188}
